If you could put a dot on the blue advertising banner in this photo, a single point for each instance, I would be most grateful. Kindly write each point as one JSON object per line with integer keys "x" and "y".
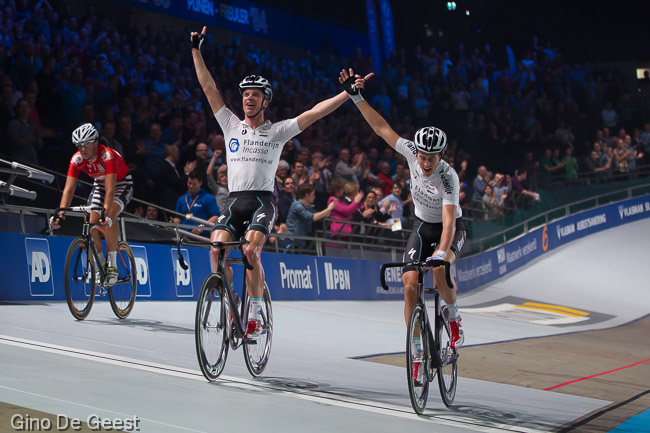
{"x": 387, "y": 28}
{"x": 33, "y": 266}
{"x": 373, "y": 35}
{"x": 262, "y": 21}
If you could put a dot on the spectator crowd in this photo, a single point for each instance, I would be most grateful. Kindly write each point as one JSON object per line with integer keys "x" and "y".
{"x": 520, "y": 126}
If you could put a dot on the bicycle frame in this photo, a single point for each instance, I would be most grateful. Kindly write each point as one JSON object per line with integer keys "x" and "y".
{"x": 239, "y": 318}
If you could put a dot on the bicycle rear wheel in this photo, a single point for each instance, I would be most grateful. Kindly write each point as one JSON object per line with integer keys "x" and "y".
{"x": 418, "y": 389}
{"x": 122, "y": 294}
{"x": 448, "y": 370}
{"x": 257, "y": 355}
{"x": 79, "y": 279}
{"x": 211, "y": 327}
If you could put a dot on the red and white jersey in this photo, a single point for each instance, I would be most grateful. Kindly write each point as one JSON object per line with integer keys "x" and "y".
{"x": 106, "y": 161}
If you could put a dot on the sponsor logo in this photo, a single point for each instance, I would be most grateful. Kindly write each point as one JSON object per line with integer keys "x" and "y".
{"x": 233, "y": 145}
{"x": 446, "y": 184}
{"x": 205, "y": 7}
{"x": 628, "y": 211}
{"x": 142, "y": 270}
{"x": 484, "y": 268}
{"x": 221, "y": 218}
{"x": 39, "y": 267}
{"x": 514, "y": 255}
{"x": 501, "y": 255}
{"x": 260, "y": 216}
{"x": 591, "y": 222}
{"x": 295, "y": 278}
{"x": 411, "y": 253}
{"x": 336, "y": 279}
{"x": 244, "y": 131}
{"x": 182, "y": 277}
{"x": 563, "y": 231}
{"x": 393, "y": 275}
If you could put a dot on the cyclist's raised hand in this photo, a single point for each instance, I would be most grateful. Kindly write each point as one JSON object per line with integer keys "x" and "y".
{"x": 351, "y": 82}
{"x": 196, "y": 40}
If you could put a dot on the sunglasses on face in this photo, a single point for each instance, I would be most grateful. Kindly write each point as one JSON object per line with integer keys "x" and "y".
{"x": 84, "y": 145}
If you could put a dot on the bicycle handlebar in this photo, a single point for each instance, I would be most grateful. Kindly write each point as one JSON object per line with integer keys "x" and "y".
{"x": 432, "y": 263}
{"x": 84, "y": 209}
{"x": 214, "y": 244}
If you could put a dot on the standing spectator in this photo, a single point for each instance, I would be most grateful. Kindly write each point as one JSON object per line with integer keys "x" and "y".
{"x": 344, "y": 209}
{"x": 393, "y": 202}
{"x": 302, "y": 214}
{"x": 171, "y": 183}
{"x": 108, "y": 137}
{"x": 384, "y": 179}
{"x": 172, "y": 134}
{"x": 608, "y": 116}
{"x": 196, "y": 202}
{"x": 525, "y": 196}
{"x": 549, "y": 166}
{"x": 155, "y": 154}
{"x": 480, "y": 181}
{"x": 287, "y": 196}
{"x": 320, "y": 177}
{"x": 595, "y": 166}
{"x": 222, "y": 187}
{"x": 347, "y": 171}
{"x": 281, "y": 174}
{"x": 570, "y": 165}
{"x": 622, "y": 155}
{"x": 24, "y": 140}
{"x": 490, "y": 203}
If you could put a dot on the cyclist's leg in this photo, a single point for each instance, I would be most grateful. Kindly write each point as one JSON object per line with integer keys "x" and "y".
{"x": 418, "y": 247}
{"x": 410, "y": 279}
{"x": 253, "y": 252}
{"x": 220, "y": 236}
{"x": 447, "y": 294}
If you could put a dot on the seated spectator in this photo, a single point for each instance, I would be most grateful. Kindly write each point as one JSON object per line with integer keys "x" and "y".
{"x": 302, "y": 214}
{"x": 152, "y": 213}
{"x": 196, "y": 202}
{"x": 287, "y": 196}
{"x": 622, "y": 156}
{"x": 346, "y": 206}
{"x": 502, "y": 187}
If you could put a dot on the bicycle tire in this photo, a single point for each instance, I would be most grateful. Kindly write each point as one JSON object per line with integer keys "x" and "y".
{"x": 448, "y": 370}
{"x": 257, "y": 355}
{"x": 122, "y": 295}
{"x": 211, "y": 327}
{"x": 418, "y": 390}
{"x": 79, "y": 277}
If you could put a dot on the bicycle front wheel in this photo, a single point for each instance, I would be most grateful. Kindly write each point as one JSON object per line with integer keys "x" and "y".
{"x": 448, "y": 370}
{"x": 79, "y": 279}
{"x": 122, "y": 294}
{"x": 257, "y": 355}
{"x": 417, "y": 363}
{"x": 211, "y": 327}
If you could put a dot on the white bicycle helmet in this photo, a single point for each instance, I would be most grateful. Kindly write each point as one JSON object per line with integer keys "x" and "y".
{"x": 84, "y": 134}
{"x": 430, "y": 140}
{"x": 257, "y": 82}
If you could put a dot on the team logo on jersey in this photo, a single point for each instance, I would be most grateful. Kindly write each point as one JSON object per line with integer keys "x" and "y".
{"x": 233, "y": 145}
{"x": 244, "y": 131}
{"x": 77, "y": 159}
{"x": 106, "y": 156}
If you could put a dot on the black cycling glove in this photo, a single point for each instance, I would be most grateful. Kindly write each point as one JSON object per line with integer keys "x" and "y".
{"x": 197, "y": 41}
{"x": 353, "y": 91}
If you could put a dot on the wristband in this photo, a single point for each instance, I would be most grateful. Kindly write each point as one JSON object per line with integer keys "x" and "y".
{"x": 356, "y": 98}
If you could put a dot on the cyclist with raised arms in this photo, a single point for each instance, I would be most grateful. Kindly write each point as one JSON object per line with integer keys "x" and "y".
{"x": 112, "y": 191}
{"x": 253, "y": 148}
{"x": 435, "y": 189}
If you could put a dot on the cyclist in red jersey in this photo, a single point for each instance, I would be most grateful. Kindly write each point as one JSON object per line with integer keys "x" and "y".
{"x": 112, "y": 190}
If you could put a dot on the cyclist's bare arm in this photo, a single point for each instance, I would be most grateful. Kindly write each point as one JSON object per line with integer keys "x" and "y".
{"x": 205, "y": 79}
{"x": 374, "y": 119}
{"x": 321, "y": 110}
{"x": 448, "y": 227}
{"x": 68, "y": 192}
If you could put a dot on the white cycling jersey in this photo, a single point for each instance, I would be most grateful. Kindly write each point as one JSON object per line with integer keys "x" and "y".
{"x": 431, "y": 193}
{"x": 253, "y": 154}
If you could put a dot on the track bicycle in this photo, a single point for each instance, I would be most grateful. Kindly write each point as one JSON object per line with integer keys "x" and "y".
{"x": 221, "y": 318}
{"x": 437, "y": 356}
{"x": 82, "y": 283}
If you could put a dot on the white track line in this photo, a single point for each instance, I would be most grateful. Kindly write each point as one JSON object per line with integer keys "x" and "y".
{"x": 248, "y": 384}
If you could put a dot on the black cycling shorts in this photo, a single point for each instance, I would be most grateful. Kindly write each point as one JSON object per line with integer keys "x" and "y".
{"x": 248, "y": 210}
{"x": 424, "y": 240}
{"x": 122, "y": 196}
